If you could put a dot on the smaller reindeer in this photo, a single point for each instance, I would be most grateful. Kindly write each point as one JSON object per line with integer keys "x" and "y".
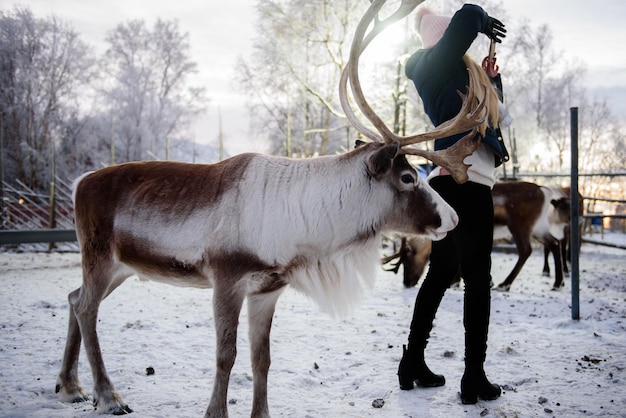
{"x": 528, "y": 211}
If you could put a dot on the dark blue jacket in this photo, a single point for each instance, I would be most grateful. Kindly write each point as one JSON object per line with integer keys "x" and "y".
{"x": 439, "y": 72}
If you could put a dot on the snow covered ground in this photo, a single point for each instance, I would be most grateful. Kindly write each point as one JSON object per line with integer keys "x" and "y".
{"x": 548, "y": 364}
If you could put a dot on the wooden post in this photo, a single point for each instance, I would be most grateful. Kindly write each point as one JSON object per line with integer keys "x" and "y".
{"x": 220, "y": 133}
{"x": 52, "y": 219}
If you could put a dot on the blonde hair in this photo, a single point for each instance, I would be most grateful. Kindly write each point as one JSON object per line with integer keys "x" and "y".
{"x": 481, "y": 85}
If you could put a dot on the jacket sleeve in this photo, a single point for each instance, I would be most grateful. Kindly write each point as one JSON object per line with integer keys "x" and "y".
{"x": 464, "y": 26}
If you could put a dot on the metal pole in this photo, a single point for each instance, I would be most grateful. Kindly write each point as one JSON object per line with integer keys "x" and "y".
{"x": 574, "y": 214}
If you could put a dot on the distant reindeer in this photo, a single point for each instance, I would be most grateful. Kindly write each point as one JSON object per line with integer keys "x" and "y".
{"x": 528, "y": 211}
{"x": 249, "y": 226}
{"x": 523, "y": 210}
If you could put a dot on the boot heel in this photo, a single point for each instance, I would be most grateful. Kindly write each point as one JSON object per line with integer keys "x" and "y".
{"x": 406, "y": 383}
{"x": 405, "y": 376}
{"x": 474, "y": 386}
{"x": 489, "y": 393}
{"x": 413, "y": 369}
{"x": 469, "y": 399}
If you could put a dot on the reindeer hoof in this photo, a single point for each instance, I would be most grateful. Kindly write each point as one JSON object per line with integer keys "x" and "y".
{"x": 79, "y": 399}
{"x": 118, "y": 410}
{"x": 545, "y": 274}
{"x": 121, "y": 410}
{"x": 115, "y": 406}
{"x": 76, "y": 397}
{"x": 503, "y": 288}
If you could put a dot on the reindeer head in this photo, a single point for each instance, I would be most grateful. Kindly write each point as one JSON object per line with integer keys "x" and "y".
{"x": 472, "y": 113}
{"x": 409, "y": 203}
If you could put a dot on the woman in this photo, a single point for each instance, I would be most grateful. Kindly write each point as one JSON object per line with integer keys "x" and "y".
{"x": 438, "y": 71}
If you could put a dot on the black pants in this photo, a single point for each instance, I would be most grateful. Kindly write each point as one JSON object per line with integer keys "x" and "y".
{"x": 465, "y": 251}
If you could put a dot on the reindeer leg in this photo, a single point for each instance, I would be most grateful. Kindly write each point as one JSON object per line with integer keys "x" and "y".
{"x": 546, "y": 266}
{"x": 260, "y": 312}
{"x": 523, "y": 251}
{"x": 566, "y": 256}
{"x": 226, "y": 309}
{"x": 96, "y": 287}
{"x": 555, "y": 248}
{"x": 68, "y": 387}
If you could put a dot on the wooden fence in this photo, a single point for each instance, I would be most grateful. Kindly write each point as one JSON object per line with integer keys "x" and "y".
{"x": 41, "y": 221}
{"x": 38, "y": 220}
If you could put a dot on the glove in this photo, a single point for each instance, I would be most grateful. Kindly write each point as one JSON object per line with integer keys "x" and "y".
{"x": 494, "y": 29}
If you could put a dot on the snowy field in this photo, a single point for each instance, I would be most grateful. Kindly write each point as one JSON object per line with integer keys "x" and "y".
{"x": 548, "y": 364}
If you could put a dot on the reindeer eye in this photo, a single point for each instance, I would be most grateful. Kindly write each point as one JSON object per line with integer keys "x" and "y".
{"x": 407, "y": 179}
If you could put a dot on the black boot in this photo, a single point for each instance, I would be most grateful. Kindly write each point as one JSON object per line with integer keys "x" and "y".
{"x": 413, "y": 369}
{"x": 474, "y": 385}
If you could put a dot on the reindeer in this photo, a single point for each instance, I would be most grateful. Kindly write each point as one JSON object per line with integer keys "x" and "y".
{"x": 525, "y": 210}
{"x": 251, "y": 225}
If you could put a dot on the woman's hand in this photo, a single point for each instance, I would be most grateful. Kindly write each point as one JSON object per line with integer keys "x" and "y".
{"x": 490, "y": 66}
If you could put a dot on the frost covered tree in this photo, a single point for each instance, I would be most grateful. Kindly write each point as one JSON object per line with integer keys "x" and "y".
{"x": 293, "y": 74}
{"x": 544, "y": 85}
{"x": 43, "y": 66}
{"x": 149, "y": 98}
{"x": 292, "y": 77}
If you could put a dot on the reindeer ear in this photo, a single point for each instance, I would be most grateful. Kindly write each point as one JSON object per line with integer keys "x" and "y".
{"x": 358, "y": 143}
{"x": 380, "y": 162}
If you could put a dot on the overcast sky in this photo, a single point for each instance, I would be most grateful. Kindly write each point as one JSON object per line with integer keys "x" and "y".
{"x": 592, "y": 31}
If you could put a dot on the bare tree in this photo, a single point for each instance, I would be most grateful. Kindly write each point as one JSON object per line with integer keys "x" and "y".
{"x": 602, "y": 148}
{"x": 543, "y": 85}
{"x": 293, "y": 74}
{"x": 541, "y": 59}
{"x": 561, "y": 94}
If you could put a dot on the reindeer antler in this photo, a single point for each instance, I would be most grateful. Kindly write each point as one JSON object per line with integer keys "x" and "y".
{"x": 400, "y": 255}
{"x": 472, "y": 112}
{"x": 350, "y": 71}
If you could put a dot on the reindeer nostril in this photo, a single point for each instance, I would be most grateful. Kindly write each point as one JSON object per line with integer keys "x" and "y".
{"x": 455, "y": 219}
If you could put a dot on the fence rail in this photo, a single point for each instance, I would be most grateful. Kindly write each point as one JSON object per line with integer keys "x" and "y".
{"x": 37, "y": 236}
